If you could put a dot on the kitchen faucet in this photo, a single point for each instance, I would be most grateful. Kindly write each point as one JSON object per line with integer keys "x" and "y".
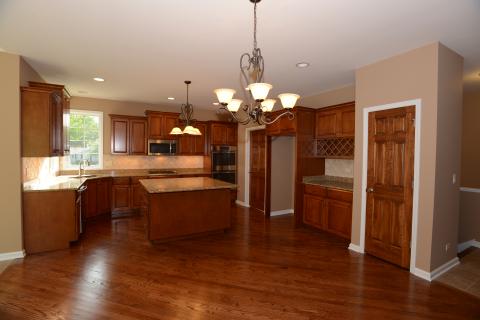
{"x": 81, "y": 170}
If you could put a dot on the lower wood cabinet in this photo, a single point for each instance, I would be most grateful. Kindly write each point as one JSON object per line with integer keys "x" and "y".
{"x": 98, "y": 197}
{"x": 328, "y": 209}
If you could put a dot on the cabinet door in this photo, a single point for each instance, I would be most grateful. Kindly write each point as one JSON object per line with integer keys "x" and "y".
{"x": 185, "y": 144}
{"x": 170, "y": 122}
{"x": 120, "y": 136}
{"x": 138, "y": 137}
{"x": 219, "y": 134}
{"x": 347, "y": 122}
{"x": 314, "y": 210}
{"x": 104, "y": 190}
{"x": 56, "y": 125}
{"x": 120, "y": 197}
{"x": 326, "y": 124}
{"x": 91, "y": 199}
{"x": 231, "y": 132}
{"x": 200, "y": 142}
{"x": 339, "y": 219}
{"x": 155, "y": 123}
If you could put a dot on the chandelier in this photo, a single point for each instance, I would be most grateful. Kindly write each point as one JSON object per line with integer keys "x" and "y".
{"x": 186, "y": 118}
{"x": 259, "y": 107}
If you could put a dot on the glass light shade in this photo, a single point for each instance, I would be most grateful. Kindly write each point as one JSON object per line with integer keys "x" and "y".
{"x": 288, "y": 100}
{"x": 224, "y": 95}
{"x": 259, "y": 91}
{"x": 176, "y": 130}
{"x": 197, "y": 132}
{"x": 234, "y": 105}
{"x": 267, "y": 105}
{"x": 189, "y": 130}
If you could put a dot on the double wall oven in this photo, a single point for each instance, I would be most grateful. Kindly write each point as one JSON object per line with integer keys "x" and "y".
{"x": 224, "y": 163}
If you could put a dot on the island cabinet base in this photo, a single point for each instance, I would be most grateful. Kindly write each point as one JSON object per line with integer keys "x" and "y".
{"x": 173, "y": 215}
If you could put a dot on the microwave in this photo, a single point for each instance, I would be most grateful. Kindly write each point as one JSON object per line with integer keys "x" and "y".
{"x": 162, "y": 147}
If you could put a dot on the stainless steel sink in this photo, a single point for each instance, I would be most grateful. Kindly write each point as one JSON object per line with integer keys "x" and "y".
{"x": 84, "y": 176}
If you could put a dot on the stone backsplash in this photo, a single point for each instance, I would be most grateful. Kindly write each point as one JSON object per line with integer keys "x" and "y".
{"x": 39, "y": 168}
{"x": 339, "y": 168}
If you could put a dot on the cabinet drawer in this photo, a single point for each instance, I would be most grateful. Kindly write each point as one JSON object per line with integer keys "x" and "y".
{"x": 121, "y": 180}
{"x": 341, "y": 195}
{"x": 315, "y": 190}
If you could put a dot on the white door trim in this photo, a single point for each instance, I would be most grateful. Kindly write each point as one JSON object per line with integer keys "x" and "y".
{"x": 246, "y": 190}
{"x": 416, "y": 172}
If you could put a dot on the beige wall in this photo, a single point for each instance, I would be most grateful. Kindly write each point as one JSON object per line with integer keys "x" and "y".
{"x": 129, "y": 108}
{"x": 469, "y": 222}
{"x": 10, "y": 189}
{"x": 328, "y": 98}
{"x": 413, "y": 75}
{"x": 283, "y": 173}
{"x": 471, "y": 140}
{"x": 27, "y": 73}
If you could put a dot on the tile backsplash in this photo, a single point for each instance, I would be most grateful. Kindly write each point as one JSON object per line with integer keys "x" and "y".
{"x": 39, "y": 167}
{"x": 339, "y": 168}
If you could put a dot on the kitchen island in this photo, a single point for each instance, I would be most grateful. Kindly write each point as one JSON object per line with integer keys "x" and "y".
{"x": 183, "y": 207}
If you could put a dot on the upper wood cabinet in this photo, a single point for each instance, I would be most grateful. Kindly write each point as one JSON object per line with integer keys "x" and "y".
{"x": 194, "y": 145}
{"x": 128, "y": 135}
{"x": 302, "y": 123}
{"x": 223, "y": 133}
{"x": 160, "y": 124}
{"x": 335, "y": 121}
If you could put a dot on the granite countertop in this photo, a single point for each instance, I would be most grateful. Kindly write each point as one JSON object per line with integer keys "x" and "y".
{"x": 330, "y": 182}
{"x": 68, "y": 181}
{"x": 184, "y": 184}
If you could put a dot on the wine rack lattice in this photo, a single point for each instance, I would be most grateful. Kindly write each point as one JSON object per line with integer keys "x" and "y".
{"x": 336, "y": 148}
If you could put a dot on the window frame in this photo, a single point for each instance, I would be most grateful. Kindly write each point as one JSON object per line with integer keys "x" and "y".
{"x": 66, "y": 161}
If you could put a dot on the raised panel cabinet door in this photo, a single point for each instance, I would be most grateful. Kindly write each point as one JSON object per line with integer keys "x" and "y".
{"x": 120, "y": 136}
{"x": 219, "y": 134}
{"x": 120, "y": 197}
{"x": 155, "y": 125}
{"x": 314, "y": 210}
{"x": 231, "y": 131}
{"x": 258, "y": 147}
{"x": 138, "y": 137}
{"x": 91, "y": 199}
{"x": 339, "y": 220}
{"x": 185, "y": 144}
{"x": 170, "y": 122}
{"x": 200, "y": 142}
{"x": 347, "y": 122}
{"x": 326, "y": 124}
{"x": 104, "y": 190}
{"x": 57, "y": 142}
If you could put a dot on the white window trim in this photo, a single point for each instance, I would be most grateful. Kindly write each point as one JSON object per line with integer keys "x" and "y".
{"x": 99, "y": 114}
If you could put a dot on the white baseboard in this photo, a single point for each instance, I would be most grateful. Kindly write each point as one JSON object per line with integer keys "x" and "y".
{"x": 280, "y": 212}
{"x": 430, "y": 276}
{"x": 12, "y": 255}
{"x": 467, "y": 244}
{"x": 355, "y": 248}
{"x": 242, "y": 204}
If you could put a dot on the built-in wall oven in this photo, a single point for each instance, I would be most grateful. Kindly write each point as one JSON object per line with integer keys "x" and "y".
{"x": 162, "y": 147}
{"x": 224, "y": 163}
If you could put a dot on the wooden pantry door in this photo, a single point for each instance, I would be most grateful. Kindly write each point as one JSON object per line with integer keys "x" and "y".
{"x": 257, "y": 169}
{"x": 391, "y": 136}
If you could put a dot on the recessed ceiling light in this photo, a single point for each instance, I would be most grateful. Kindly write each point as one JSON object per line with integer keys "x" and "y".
{"x": 303, "y": 65}
{"x": 98, "y": 79}
{"x": 171, "y": 98}
{"x": 215, "y": 103}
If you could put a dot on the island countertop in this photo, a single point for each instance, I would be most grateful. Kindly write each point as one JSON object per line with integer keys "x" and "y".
{"x": 184, "y": 184}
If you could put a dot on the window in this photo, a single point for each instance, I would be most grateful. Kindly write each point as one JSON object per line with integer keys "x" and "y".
{"x": 85, "y": 138}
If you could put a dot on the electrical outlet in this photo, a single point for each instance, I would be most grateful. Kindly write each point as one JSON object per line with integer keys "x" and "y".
{"x": 447, "y": 247}
{"x": 454, "y": 178}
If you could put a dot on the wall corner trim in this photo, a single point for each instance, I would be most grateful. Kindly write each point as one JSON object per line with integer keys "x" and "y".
{"x": 355, "y": 248}
{"x": 242, "y": 204}
{"x": 280, "y": 212}
{"x": 467, "y": 244}
{"x": 12, "y": 255}
{"x": 430, "y": 276}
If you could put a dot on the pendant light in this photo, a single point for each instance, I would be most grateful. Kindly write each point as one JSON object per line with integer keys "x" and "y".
{"x": 186, "y": 115}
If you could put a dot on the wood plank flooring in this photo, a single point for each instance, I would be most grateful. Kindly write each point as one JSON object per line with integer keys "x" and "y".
{"x": 260, "y": 269}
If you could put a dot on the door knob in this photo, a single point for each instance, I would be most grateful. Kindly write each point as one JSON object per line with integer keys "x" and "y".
{"x": 369, "y": 189}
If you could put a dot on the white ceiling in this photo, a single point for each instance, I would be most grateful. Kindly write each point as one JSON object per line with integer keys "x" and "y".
{"x": 145, "y": 49}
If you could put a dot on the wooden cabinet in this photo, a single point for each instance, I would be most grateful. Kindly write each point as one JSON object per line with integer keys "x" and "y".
{"x": 194, "y": 145}
{"x": 98, "y": 197}
{"x": 328, "y": 209}
{"x": 285, "y": 126}
{"x": 223, "y": 133}
{"x": 128, "y": 135}
{"x": 335, "y": 121}
{"x": 161, "y": 123}
{"x": 121, "y": 194}
{"x": 137, "y": 193}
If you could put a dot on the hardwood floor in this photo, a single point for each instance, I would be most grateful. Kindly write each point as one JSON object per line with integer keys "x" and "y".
{"x": 261, "y": 269}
